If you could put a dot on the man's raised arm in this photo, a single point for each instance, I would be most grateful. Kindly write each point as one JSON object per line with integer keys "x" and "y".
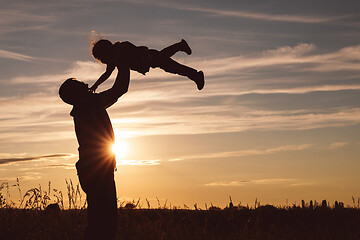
{"x": 120, "y": 87}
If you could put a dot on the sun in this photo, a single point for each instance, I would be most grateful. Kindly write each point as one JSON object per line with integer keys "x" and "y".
{"x": 120, "y": 148}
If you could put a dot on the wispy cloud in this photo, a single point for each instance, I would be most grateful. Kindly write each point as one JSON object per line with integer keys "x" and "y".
{"x": 29, "y": 175}
{"x": 16, "y": 56}
{"x": 158, "y": 105}
{"x": 8, "y": 160}
{"x": 82, "y": 70}
{"x": 305, "y": 89}
{"x": 138, "y": 162}
{"x": 302, "y": 56}
{"x": 47, "y": 118}
{"x": 263, "y": 16}
{"x": 25, "y": 12}
{"x": 243, "y": 153}
{"x": 235, "y": 183}
{"x": 233, "y": 13}
{"x": 298, "y": 58}
{"x": 338, "y": 145}
{"x": 16, "y": 17}
{"x": 64, "y": 166}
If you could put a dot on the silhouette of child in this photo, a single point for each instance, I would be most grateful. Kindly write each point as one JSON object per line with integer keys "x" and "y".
{"x": 142, "y": 58}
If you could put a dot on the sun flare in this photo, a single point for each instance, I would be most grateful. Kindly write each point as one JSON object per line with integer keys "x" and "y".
{"x": 120, "y": 148}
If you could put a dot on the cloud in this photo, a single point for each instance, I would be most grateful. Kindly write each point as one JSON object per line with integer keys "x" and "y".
{"x": 243, "y": 153}
{"x": 138, "y": 162}
{"x": 236, "y": 183}
{"x": 64, "y": 166}
{"x": 46, "y": 119}
{"x": 24, "y": 16}
{"x": 264, "y": 16}
{"x": 296, "y": 51}
{"x": 301, "y": 57}
{"x": 243, "y": 13}
{"x": 24, "y": 177}
{"x": 8, "y": 160}
{"x": 175, "y": 159}
{"x": 220, "y": 118}
{"x": 338, "y": 145}
{"x": 82, "y": 70}
{"x": 16, "y": 56}
{"x": 15, "y": 13}
{"x": 39, "y": 116}
{"x": 306, "y": 89}
{"x": 162, "y": 104}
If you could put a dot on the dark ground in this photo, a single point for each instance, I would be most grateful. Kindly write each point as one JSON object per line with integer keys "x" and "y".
{"x": 265, "y": 222}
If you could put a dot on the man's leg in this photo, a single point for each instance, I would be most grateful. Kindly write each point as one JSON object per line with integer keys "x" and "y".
{"x": 102, "y": 205}
{"x": 110, "y": 210}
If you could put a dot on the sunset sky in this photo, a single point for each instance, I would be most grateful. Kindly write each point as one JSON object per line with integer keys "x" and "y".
{"x": 278, "y": 119}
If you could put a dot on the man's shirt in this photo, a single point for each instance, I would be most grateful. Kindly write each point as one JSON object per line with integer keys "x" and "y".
{"x": 93, "y": 128}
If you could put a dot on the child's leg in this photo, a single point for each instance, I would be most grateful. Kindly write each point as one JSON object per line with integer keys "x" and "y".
{"x": 169, "y": 65}
{"x": 172, "y": 49}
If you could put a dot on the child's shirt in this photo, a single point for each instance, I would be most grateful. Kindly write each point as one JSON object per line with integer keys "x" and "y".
{"x": 138, "y": 57}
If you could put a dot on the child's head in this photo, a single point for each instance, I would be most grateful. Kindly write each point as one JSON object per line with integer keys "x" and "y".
{"x": 72, "y": 91}
{"x": 103, "y": 50}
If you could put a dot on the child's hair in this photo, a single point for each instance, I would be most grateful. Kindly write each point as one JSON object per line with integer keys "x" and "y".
{"x": 66, "y": 91}
{"x": 102, "y": 49}
{"x": 94, "y": 38}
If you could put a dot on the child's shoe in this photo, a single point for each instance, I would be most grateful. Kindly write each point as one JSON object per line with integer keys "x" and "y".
{"x": 185, "y": 47}
{"x": 199, "y": 80}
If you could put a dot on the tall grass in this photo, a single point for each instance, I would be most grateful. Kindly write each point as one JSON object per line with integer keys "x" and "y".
{"x": 38, "y": 198}
{"x": 309, "y": 220}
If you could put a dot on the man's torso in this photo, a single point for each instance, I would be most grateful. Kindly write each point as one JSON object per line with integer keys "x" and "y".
{"x": 94, "y": 132}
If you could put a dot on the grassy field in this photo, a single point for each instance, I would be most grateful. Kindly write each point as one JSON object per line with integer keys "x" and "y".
{"x": 32, "y": 219}
{"x": 264, "y": 222}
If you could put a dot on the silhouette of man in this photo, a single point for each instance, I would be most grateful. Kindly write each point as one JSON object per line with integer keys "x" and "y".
{"x": 96, "y": 163}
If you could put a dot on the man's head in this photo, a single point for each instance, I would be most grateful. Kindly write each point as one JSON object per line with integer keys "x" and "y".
{"x": 103, "y": 50}
{"x": 72, "y": 91}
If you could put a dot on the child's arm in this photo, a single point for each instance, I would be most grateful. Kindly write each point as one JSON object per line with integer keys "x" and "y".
{"x": 103, "y": 77}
